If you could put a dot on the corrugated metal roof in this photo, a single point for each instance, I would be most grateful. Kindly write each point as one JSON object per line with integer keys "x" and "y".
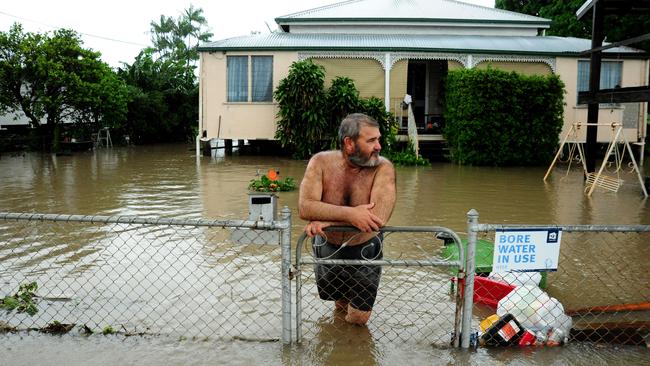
{"x": 409, "y": 43}
{"x": 409, "y": 10}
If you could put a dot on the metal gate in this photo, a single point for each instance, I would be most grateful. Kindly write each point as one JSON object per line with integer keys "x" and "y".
{"x": 416, "y": 302}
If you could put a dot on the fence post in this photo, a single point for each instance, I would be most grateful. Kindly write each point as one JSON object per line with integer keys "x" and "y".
{"x": 285, "y": 244}
{"x": 470, "y": 269}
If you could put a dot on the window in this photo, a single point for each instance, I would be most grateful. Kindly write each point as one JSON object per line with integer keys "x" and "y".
{"x": 261, "y": 76}
{"x": 610, "y": 75}
{"x": 237, "y": 78}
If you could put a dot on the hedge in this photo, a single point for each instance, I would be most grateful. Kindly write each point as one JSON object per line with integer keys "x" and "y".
{"x": 493, "y": 117}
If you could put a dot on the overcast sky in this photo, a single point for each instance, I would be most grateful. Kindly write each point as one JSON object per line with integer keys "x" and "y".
{"x": 119, "y": 29}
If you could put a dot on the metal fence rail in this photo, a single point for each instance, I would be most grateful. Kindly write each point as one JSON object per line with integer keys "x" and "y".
{"x": 185, "y": 278}
{"x": 601, "y": 284}
{"x": 415, "y": 301}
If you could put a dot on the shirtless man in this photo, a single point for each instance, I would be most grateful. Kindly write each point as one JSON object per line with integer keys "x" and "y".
{"x": 351, "y": 187}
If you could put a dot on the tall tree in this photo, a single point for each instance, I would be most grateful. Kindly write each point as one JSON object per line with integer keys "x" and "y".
{"x": 565, "y": 23}
{"x": 163, "y": 99}
{"x": 163, "y": 85}
{"x": 53, "y": 77}
{"x": 179, "y": 38}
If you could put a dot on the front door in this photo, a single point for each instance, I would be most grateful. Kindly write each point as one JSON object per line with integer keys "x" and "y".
{"x": 425, "y": 84}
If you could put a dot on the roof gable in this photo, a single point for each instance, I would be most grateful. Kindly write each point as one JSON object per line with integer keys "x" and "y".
{"x": 408, "y": 11}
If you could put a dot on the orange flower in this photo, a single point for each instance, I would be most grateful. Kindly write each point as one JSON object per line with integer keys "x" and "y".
{"x": 272, "y": 174}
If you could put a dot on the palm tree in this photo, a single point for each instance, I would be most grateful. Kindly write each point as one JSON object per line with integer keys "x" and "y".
{"x": 179, "y": 38}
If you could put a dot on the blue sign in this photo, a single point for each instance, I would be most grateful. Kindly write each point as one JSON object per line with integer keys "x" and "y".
{"x": 535, "y": 249}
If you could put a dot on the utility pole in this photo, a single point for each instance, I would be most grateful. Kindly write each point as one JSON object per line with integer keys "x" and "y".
{"x": 594, "y": 85}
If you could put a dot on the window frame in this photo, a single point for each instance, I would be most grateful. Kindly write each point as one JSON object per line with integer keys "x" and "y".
{"x": 252, "y": 94}
{"x": 583, "y": 76}
{"x": 268, "y": 80}
{"x": 233, "y": 91}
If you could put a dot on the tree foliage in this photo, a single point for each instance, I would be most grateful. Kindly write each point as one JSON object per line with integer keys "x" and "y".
{"x": 565, "y": 23}
{"x": 52, "y": 77}
{"x": 163, "y": 99}
{"x": 309, "y": 115}
{"x": 302, "y": 125}
{"x": 179, "y": 38}
{"x": 342, "y": 99}
{"x": 162, "y": 82}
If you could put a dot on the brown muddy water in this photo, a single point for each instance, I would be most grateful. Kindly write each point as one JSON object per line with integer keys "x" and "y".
{"x": 168, "y": 181}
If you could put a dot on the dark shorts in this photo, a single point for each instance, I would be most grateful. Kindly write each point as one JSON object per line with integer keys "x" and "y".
{"x": 356, "y": 283}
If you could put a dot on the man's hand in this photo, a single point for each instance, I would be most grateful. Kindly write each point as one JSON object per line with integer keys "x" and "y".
{"x": 363, "y": 219}
{"x": 316, "y": 228}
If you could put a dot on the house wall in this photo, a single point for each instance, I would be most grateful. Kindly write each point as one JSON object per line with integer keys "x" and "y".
{"x": 634, "y": 74}
{"x": 257, "y": 120}
{"x": 238, "y": 120}
{"x": 454, "y": 65}
{"x": 526, "y": 68}
{"x": 367, "y": 74}
{"x": 16, "y": 119}
{"x": 398, "y": 82}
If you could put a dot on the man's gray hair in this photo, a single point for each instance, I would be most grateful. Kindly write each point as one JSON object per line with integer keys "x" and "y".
{"x": 351, "y": 126}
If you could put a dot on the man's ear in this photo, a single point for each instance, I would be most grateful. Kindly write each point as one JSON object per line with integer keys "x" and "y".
{"x": 348, "y": 145}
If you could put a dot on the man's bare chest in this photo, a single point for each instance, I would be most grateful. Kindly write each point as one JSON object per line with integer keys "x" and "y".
{"x": 346, "y": 189}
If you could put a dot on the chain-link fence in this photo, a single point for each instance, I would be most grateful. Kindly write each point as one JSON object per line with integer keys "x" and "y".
{"x": 213, "y": 279}
{"x": 186, "y": 278}
{"x": 596, "y": 291}
{"x": 402, "y": 276}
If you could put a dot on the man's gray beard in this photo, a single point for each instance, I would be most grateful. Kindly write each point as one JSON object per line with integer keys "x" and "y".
{"x": 361, "y": 161}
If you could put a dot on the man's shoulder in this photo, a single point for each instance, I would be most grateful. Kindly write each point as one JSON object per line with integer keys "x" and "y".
{"x": 326, "y": 156}
{"x": 385, "y": 163}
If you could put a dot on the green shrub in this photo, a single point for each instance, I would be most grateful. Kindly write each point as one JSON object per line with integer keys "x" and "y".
{"x": 502, "y": 118}
{"x": 266, "y": 184}
{"x": 406, "y": 157}
{"x": 302, "y": 126}
{"x": 309, "y": 115}
{"x": 342, "y": 99}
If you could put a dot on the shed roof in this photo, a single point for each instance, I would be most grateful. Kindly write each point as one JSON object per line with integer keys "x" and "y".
{"x": 536, "y": 45}
{"x": 410, "y": 11}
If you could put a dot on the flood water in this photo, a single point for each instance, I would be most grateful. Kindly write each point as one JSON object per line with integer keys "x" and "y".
{"x": 169, "y": 181}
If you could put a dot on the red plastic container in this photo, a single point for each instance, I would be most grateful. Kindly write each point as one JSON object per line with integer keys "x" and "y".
{"x": 527, "y": 339}
{"x": 488, "y": 291}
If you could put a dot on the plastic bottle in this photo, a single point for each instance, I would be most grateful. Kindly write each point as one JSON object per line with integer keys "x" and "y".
{"x": 556, "y": 337}
{"x": 527, "y": 339}
{"x": 540, "y": 337}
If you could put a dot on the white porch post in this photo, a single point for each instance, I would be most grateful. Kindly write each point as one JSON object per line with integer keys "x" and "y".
{"x": 387, "y": 81}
